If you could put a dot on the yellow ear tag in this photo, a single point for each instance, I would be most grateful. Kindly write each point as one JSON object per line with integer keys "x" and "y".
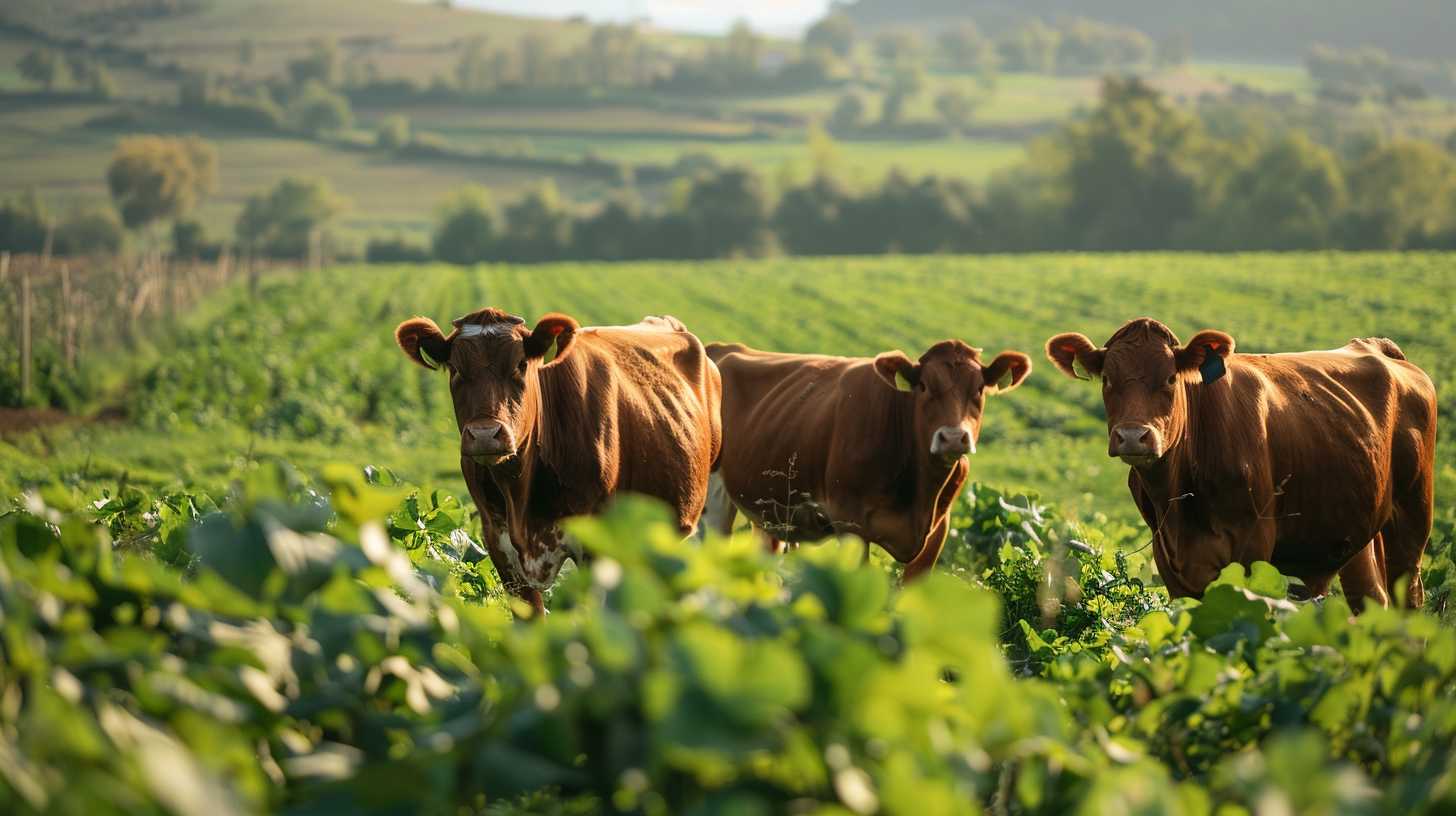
{"x": 550, "y": 352}
{"x": 902, "y": 383}
{"x": 1079, "y": 369}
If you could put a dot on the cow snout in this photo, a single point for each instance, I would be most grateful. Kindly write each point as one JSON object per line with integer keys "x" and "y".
{"x": 951, "y": 442}
{"x": 1134, "y": 444}
{"x": 486, "y": 440}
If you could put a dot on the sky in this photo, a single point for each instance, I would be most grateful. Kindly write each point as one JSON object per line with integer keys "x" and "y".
{"x": 781, "y": 17}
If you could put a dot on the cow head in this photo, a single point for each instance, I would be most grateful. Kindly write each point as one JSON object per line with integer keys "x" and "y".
{"x": 949, "y": 385}
{"x": 493, "y": 361}
{"x": 1142, "y": 369}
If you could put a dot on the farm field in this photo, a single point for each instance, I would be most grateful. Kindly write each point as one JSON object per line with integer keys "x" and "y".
{"x": 417, "y": 40}
{"x": 277, "y": 629}
{"x": 52, "y": 151}
{"x": 326, "y": 345}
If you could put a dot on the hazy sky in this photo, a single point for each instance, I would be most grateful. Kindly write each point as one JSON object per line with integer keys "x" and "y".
{"x": 709, "y": 16}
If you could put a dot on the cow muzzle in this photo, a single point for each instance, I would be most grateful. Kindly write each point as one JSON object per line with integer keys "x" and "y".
{"x": 1135, "y": 444}
{"x": 952, "y": 442}
{"x": 486, "y": 442}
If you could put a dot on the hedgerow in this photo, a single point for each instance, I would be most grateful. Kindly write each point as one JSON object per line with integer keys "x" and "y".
{"x": 340, "y": 645}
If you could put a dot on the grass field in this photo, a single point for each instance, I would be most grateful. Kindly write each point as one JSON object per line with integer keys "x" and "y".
{"x": 326, "y": 344}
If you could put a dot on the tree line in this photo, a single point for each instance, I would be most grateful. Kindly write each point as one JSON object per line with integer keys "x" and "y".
{"x": 1358, "y": 75}
{"x": 1230, "y": 28}
{"x": 1136, "y": 174}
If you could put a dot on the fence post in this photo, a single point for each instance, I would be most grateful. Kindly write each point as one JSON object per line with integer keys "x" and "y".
{"x": 24, "y": 333}
{"x": 68, "y": 317}
{"x": 223, "y": 259}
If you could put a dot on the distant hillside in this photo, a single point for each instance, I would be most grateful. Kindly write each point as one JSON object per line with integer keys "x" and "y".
{"x": 418, "y": 40}
{"x": 1251, "y": 29}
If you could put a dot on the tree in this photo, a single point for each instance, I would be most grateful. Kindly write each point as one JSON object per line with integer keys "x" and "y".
{"x": 393, "y": 132}
{"x": 1288, "y": 198}
{"x": 321, "y": 65}
{"x": 613, "y": 233}
{"x": 284, "y": 221}
{"x": 91, "y": 75}
{"x": 155, "y": 178}
{"x": 43, "y": 67}
{"x": 23, "y": 223}
{"x": 899, "y": 46}
{"x": 1134, "y": 168}
{"x": 1401, "y": 195}
{"x": 955, "y": 107}
{"x": 824, "y": 153}
{"x": 729, "y": 213}
{"x": 247, "y": 51}
{"x": 465, "y": 228}
{"x": 834, "y": 32}
{"x": 189, "y": 238}
{"x": 474, "y": 72}
{"x": 395, "y": 249}
{"x": 100, "y": 83}
{"x": 538, "y": 61}
{"x": 907, "y": 83}
{"x": 963, "y": 48}
{"x": 90, "y": 231}
{"x": 316, "y": 110}
{"x": 810, "y": 220}
{"x": 931, "y": 215}
{"x": 849, "y": 113}
{"x": 538, "y": 228}
{"x": 1032, "y": 48}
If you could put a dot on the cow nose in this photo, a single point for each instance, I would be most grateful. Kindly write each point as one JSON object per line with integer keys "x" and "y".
{"x": 952, "y": 441}
{"x": 486, "y": 439}
{"x": 1133, "y": 440}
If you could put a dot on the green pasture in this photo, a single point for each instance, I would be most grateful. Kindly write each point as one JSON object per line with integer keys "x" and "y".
{"x": 309, "y": 372}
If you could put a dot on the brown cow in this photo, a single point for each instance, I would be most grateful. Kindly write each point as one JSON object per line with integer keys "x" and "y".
{"x": 814, "y": 446}
{"x": 557, "y": 419}
{"x": 1319, "y": 462}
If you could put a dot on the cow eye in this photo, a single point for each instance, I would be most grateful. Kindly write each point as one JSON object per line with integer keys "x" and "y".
{"x": 521, "y": 368}
{"x": 1172, "y": 379}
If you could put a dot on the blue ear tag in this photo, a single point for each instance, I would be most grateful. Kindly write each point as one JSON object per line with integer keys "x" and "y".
{"x": 1212, "y": 368}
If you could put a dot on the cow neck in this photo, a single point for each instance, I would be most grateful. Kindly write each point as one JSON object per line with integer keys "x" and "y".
{"x": 513, "y": 476}
{"x": 928, "y": 473}
{"x": 1177, "y": 483}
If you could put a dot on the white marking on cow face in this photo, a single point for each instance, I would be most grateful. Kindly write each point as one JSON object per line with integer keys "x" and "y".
{"x": 952, "y": 442}
{"x": 478, "y": 330}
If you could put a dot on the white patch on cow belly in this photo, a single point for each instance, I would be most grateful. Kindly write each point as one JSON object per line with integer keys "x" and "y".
{"x": 540, "y": 564}
{"x": 509, "y": 548}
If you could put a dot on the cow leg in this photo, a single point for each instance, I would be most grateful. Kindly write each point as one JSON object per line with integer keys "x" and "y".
{"x": 930, "y": 552}
{"x": 1363, "y": 577}
{"x": 1406, "y": 535}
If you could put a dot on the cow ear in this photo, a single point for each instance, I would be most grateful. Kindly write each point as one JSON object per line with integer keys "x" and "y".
{"x": 1075, "y": 355}
{"x": 1205, "y": 353}
{"x": 551, "y": 337}
{"x": 897, "y": 370}
{"x": 1006, "y": 372}
{"x": 422, "y": 342}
